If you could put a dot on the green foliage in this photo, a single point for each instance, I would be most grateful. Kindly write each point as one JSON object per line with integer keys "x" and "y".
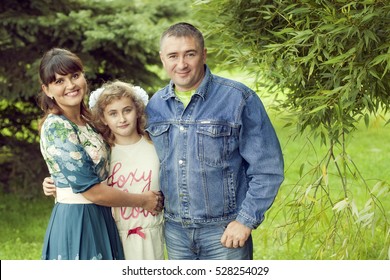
{"x": 312, "y": 218}
{"x": 325, "y": 66}
{"x": 330, "y": 58}
{"x": 115, "y": 40}
{"x": 23, "y": 168}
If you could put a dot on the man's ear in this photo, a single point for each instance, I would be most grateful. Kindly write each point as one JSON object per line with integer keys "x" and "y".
{"x": 161, "y": 58}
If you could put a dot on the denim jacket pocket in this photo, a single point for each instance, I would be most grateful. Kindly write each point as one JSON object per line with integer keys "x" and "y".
{"x": 160, "y": 138}
{"x": 212, "y": 143}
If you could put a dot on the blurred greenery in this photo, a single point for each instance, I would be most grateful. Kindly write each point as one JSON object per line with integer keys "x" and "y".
{"x": 22, "y": 226}
{"x": 115, "y": 40}
{"x": 364, "y": 236}
{"x": 321, "y": 67}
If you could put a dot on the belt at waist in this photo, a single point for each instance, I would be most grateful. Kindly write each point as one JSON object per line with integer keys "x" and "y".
{"x": 67, "y": 196}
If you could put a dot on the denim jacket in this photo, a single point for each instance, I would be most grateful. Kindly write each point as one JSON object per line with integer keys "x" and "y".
{"x": 220, "y": 159}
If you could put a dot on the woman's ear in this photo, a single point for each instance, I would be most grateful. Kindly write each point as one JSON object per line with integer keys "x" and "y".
{"x": 45, "y": 89}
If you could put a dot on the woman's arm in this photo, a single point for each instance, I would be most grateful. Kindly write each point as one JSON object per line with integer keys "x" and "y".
{"x": 102, "y": 194}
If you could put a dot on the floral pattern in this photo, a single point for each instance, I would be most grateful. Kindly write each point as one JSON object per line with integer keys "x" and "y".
{"x": 76, "y": 156}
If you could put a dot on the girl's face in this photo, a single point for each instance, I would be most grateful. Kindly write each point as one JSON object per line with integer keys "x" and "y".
{"x": 121, "y": 118}
{"x": 67, "y": 90}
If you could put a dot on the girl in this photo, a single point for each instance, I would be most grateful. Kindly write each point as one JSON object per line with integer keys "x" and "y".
{"x": 119, "y": 115}
{"x": 81, "y": 225}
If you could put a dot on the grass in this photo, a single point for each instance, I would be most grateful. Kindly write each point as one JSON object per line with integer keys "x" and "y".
{"x": 22, "y": 226}
{"x": 23, "y": 221}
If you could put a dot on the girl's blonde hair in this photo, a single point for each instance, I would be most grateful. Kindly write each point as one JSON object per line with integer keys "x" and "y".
{"x": 113, "y": 91}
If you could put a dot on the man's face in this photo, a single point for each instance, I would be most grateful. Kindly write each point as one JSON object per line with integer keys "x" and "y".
{"x": 183, "y": 60}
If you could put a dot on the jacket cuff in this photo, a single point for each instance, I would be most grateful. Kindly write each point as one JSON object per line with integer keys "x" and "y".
{"x": 248, "y": 221}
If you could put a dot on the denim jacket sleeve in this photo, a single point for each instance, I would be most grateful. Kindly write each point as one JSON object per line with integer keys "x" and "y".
{"x": 260, "y": 149}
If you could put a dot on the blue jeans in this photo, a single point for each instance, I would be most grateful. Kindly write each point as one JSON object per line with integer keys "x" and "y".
{"x": 202, "y": 244}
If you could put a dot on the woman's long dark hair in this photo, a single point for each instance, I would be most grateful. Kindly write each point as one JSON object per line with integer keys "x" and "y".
{"x": 62, "y": 62}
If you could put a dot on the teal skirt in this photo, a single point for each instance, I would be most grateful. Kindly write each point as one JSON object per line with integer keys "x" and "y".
{"x": 82, "y": 232}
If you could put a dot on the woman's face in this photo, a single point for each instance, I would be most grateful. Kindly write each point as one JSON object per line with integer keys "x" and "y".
{"x": 67, "y": 90}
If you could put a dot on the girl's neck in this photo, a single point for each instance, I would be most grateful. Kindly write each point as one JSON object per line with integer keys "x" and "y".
{"x": 130, "y": 140}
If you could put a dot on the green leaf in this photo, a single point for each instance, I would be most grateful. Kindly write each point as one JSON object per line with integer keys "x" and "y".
{"x": 341, "y": 205}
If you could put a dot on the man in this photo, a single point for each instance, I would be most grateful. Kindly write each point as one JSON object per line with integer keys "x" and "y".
{"x": 221, "y": 163}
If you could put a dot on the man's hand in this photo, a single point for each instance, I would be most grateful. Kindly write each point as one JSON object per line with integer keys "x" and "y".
{"x": 235, "y": 235}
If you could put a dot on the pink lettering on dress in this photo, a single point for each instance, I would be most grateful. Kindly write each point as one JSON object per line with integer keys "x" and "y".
{"x": 126, "y": 182}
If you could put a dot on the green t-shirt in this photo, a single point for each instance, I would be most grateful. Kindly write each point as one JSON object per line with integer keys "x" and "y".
{"x": 185, "y": 96}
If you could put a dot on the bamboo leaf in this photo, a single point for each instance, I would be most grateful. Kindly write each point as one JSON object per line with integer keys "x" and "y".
{"x": 340, "y": 58}
{"x": 319, "y": 108}
{"x": 301, "y": 169}
{"x": 365, "y": 219}
{"x": 354, "y": 208}
{"x": 341, "y": 205}
{"x": 366, "y": 119}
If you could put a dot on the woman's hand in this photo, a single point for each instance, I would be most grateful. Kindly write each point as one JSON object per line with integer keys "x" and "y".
{"x": 48, "y": 187}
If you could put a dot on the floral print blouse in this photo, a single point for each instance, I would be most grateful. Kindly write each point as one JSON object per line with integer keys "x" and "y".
{"x": 76, "y": 156}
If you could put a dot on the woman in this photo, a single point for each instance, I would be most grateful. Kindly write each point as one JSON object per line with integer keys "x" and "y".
{"x": 81, "y": 225}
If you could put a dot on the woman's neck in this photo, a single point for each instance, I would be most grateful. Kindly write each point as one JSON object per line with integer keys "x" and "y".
{"x": 76, "y": 118}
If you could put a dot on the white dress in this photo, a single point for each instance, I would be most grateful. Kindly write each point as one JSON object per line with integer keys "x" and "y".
{"x": 134, "y": 169}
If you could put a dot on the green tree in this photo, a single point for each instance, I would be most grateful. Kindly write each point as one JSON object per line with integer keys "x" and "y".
{"x": 325, "y": 63}
{"x": 115, "y": 39}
